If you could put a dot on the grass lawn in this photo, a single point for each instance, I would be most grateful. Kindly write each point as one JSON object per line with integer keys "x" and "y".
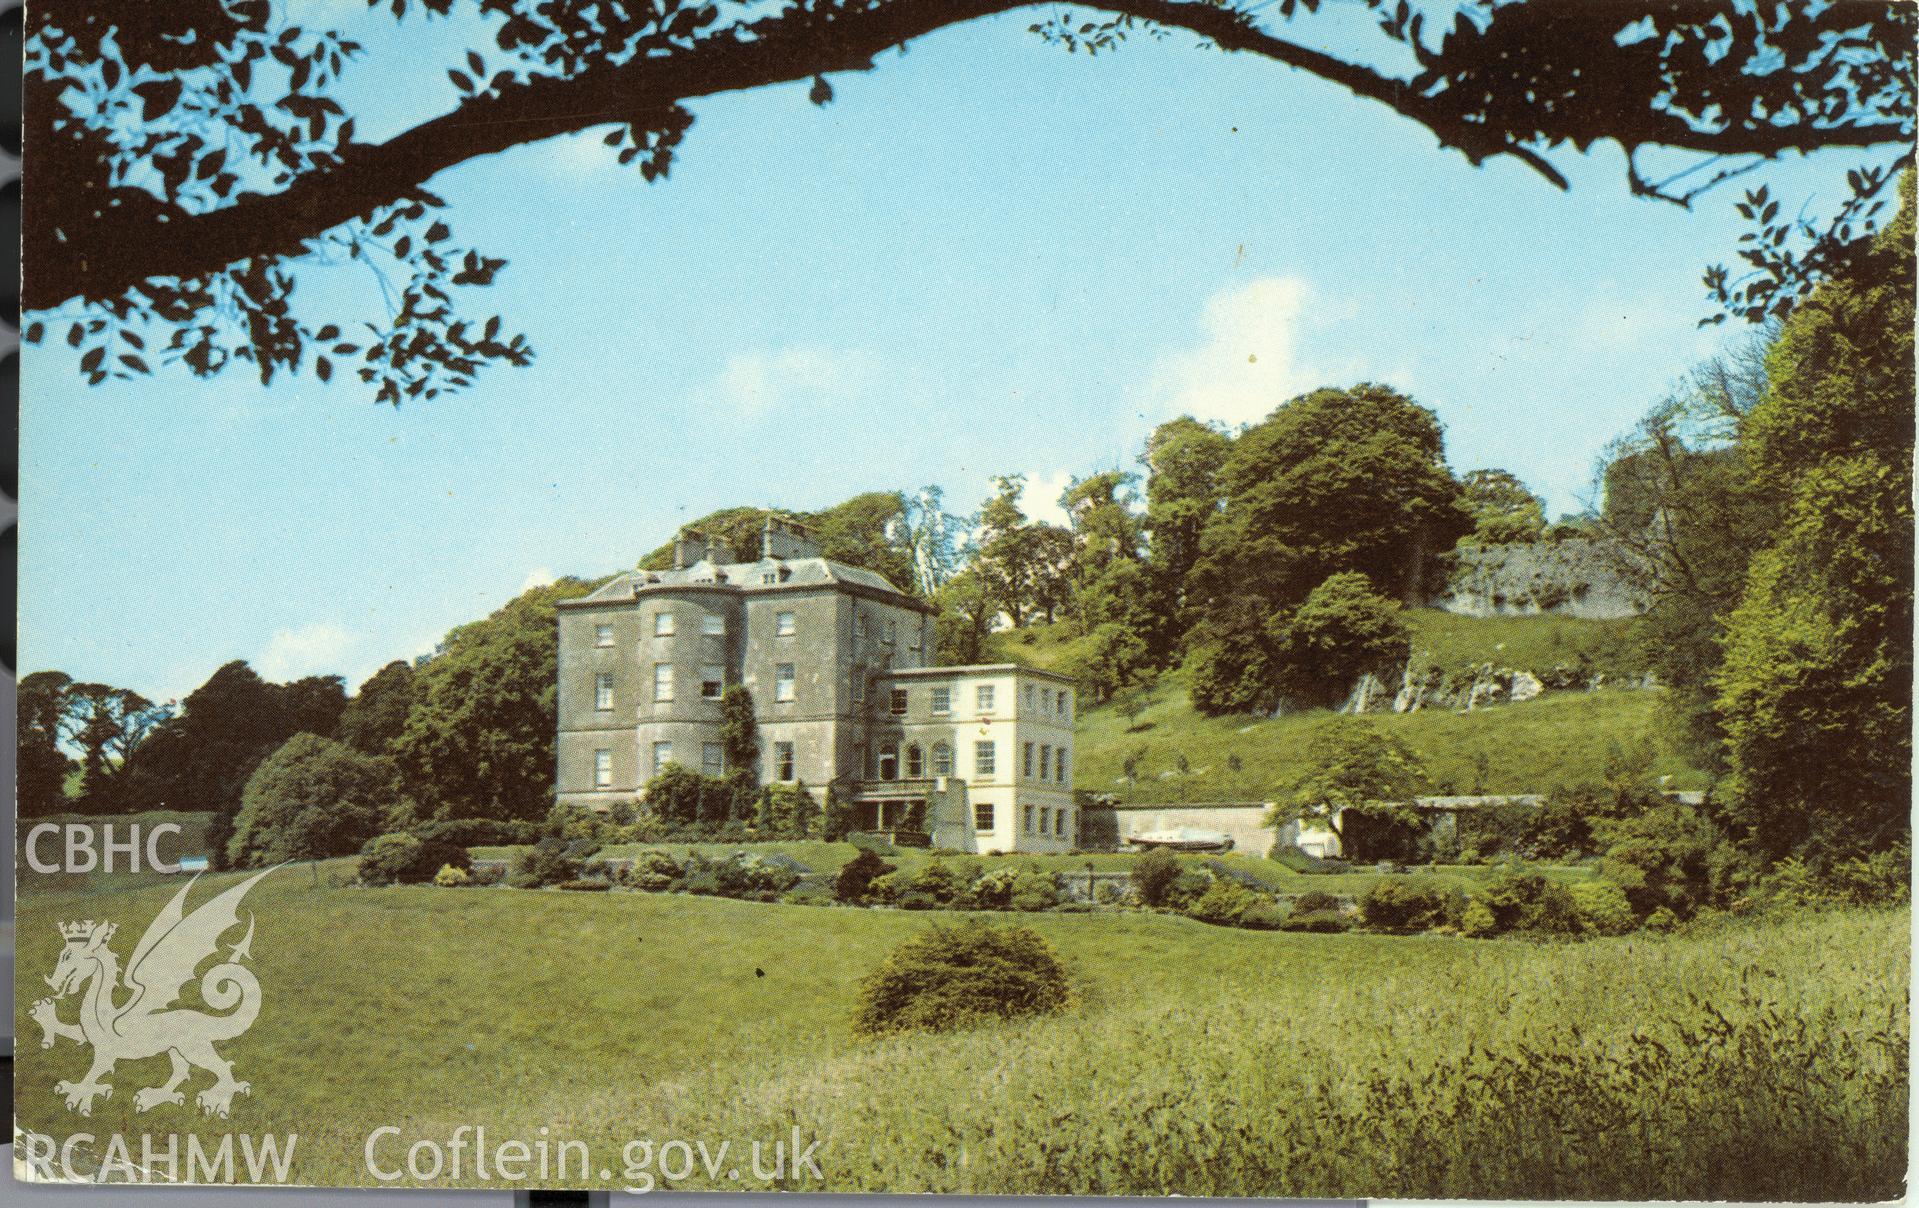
{"x": 1562, "y": 738}
{"x": 1198, "y": 1060}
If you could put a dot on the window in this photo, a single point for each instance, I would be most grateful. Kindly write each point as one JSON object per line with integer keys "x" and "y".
{"x": 984, "y": 758}
{"x": 1045, "y": 761}
{"x": 602, "y": 635}
{"x": 892, "y": 632}
{"x": 782, "y": 761}
{"x": 1059, "y": 766}
{"x": 712, "y": 759}
{"x": 603, "y": 769}
{"x": 1059, "y": 822}
{"x": 662, "y": 624}
{"x": 662, "y": 755}
{"x": 983, "y": 698}
{"x": 942, "y": 702}
{"x": 662, "y": 681}
{"x": 889, "y": 761}
{"x": 859, "y": 686}
{"x": 983, "y": 816}
{"x": 713, "y": 625}
{"x": 1062, "y": 703}
{"x": 1028, "y": 820}
{"x": 942, "y": 759}
{"x": 915, "y": 763}
{"x": 1026, "y": 761}
{"x": 859, "y": 625}
{"x": 783, "y": 686}
{"x": 1029, "y": 696}
{"x": 768, "y": 578}
{"x": 712, "y": 681}
{"x": 898, "y": 702}
{"x": 603, "y": 691}
{"x": 783, "y": 625}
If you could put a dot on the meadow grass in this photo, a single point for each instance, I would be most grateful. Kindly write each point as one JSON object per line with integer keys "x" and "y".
{"x": 1199, "y": 1060}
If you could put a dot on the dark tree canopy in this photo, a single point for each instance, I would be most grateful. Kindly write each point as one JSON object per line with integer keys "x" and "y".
{"x": 187, "y": 156}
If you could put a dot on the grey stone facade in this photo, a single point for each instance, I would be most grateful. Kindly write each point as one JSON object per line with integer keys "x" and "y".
{"x": 822, "y": 648}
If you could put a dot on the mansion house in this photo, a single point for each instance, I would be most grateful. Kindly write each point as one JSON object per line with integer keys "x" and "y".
{"x": 840, "y": 667}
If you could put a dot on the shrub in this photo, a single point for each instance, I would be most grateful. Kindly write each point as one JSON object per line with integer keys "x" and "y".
{"x": 1602, "y": 908}
{"x": 405, "y": 859}
{"x": 1325, "y": 921}
{"x": 1415, "y": 904}
{"x": 1671, "y": 856}
{"x": 583, "y": 885}
{"x": 746, "y": 876}
{"x": 479, "y": 832}
{"x": 1108, "y": 894}
{"x": 1315, "y": 902}
{"x": 310, "y": 799}
{"x": 1153, "y": 876}
{"x": 549, "y": 862}
{"x": 493, "y": 874}
{"x": 1224, "y": 904}
{"x": 943, "y": 881}
{"x": 1262, "y": 916}
{"x": 810, "y": 891}
{"x": 1880, "y": 879}
{"x": 450, "y": 877}
{"x": 856, "y": 878}
{"x": 1187, "y": 888}
{"x": 958, "y": 976}
{"x": 653, "y": 871}
{"x": 1302, "y": 861}
{"x": 1527, "y": 902}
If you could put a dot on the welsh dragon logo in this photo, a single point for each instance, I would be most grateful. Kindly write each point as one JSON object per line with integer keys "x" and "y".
{"x": 144, "y": 1022}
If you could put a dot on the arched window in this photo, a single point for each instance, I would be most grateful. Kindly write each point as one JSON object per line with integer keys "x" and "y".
{"x": 942, "y": 759}
{"x": 915, "y": 763}
{"x": 889, "y": 761}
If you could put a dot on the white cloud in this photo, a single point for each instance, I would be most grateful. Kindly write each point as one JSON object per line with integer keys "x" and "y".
{"x": 1251, "y": 360}
{"x": 1041, "y": 500}
{"x": 317, "y": 649}
{"x": 537, "y": 577}
{"x": 761, "y": 380}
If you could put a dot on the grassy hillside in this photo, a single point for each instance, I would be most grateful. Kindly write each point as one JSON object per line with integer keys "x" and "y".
{"x": 1198, "y": 1060}
{"x": 1562, "y": 738}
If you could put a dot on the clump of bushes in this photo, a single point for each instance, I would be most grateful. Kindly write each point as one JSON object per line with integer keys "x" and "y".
{"x": 450, "y": 877}
{"x": 1414, "y": 904}
{"x": 1010, "y": 887}
{"x": 741, "y": 875}
{"x": 1514, "y": 901}
{"x": 405, "y": 859}
{"x": 1228, "y": 903}
{"x": 584, "y": 884}
{"x": 549, "y": 862}
{"x": 653, "y": 871}
{"x": 959, "y": 976}
{"x": 856, "y": 878}
{"x": 1602, "y": 908}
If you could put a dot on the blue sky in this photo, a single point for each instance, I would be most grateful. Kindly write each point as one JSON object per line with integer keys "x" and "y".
{"x": 986, "y": 256}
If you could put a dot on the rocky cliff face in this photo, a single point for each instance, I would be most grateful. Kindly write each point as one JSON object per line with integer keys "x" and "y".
{"x": 1424, "y": 686}
{"x": 1575, "y": 577}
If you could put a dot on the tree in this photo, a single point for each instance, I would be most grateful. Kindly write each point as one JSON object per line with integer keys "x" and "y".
{"x": 201, "y": 758}
{"x": 867, "y": 531}
{"x": 194, "y": 153}
{"x": 311, "y": 799}
{"x": 1341, "y": 631}
{"x": 43, "y": 726}
{"x": 1334, "y": 481}
{"x": 932, "y": 537}
{"x": 1183, "y": 493}
{"x": 738, "y": 740}
{"x": 967, "y": 609}
{"x": 108, "y": 724}
{"x": 377, "y": 713}
{"x": 478, "y": 742}
{"x": 1504, "y": 509}
{"x": 1353, "y": 767}
{"x": 1815, "y": 694}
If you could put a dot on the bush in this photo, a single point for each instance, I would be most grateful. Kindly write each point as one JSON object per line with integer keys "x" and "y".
{"x": 747, "y": 877}
{"x": 479, "y": 832}
{"x": 1881, "y": 879}
{"x": 549, "y": 862}
{"x": 1415, "y": 904}
{"x": 1262, "y": 916}
{"x": 583, "y": 885}
{"x": 490, "y": 875}
{"x": 1524, "y": 902}
{"x": 1153, "y": 876}
{"x": 1324, "y": 921}
{"x": 810, "y": 891}
{"x": 958, "y": 976}
{"x": 944, "y": 881}
{"x": 653, "y": 871}
{"x": 1224, "y": 904}
{"x": 1108, "y": 894}
{"x": 404, "y": 859}
{"x": 1602, "y": 908}
{"x": 310, "y": 799}
{"x": 1315, "y": 902}
{"x": 1670, "y": 857}
{"x": 1187, "y": 888}
{"x": 857, "y": 877}
{"x": 450, "y": 877}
